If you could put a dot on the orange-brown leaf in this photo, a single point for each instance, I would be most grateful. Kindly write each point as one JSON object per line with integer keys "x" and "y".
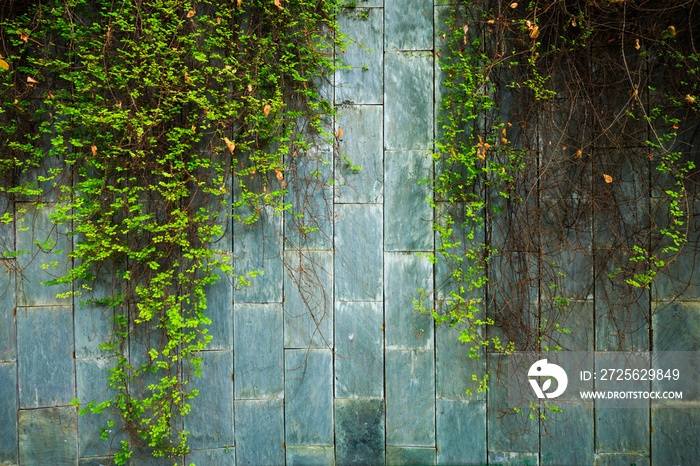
{"x": 279, "y": 174}
{"x": 278, "y": 4}
{"x": 4, "y": 65}
{"x": 340, "y": 132}
{"x": 231, "y": 146}
{"x": 24, "y": 36}
{"x": 93, "y": 148}
{"x": 32, "y": 80}
{"x": 267, "y": 109}
{"x": 608, "y": 178}
{"x": 190, "y": 13}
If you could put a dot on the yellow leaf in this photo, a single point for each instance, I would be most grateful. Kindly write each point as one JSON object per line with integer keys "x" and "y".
{"x": 250, "y": 88}
{"x": 636, "y": 44}
{"x": 514, "y": 5}
{"x": 32, "y": 80}
{"x": 218, "y": 20}
{"x": 278, "y": 3}
{"x": 267, "y": 109}
{"x": 4, "y": 65}
{"x": 93, "y": 148}
{"x": 340, "y": 132}
{"x": 534, "y": 32}
{"x": 24, "y": 36}
{"x": 190, "y": 13}
{"x": 239, "y": 3}
{"x": 279, "y": 174}
{"x": 690, "y": 99}
{"x": 231, "y": 146}
{"x": 608, "y": 178}
{"x": 284, "y": 184}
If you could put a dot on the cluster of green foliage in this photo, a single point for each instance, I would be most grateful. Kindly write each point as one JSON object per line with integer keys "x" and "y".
{"x": 147, "y": 124}
{"x": 499, "y": 56}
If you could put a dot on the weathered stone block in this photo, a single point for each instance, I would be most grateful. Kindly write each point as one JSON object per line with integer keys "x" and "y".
{"x": 259, "y": 432}
{"x": 308, "y": 304}
{"x": 210, "y": 421}
{"x": 400, "y": 456}
{"x": 676, "y": 326}
{"x": 258, "y": 374}
{"x": 570, "y": 439}
{"x": 461, "y": 432}
{"x": 96, "y": 461}
{"x": 408, "y": 99}
{"x": 408, "y": 25}
{"x": 8, "y": 412}
{"x": 359, "y": 355}
{"x": 622, "y": 430}
{"x": 508, "y": 458}
{"x": 220, "y": 309}
{"x": 217, "y": 456}
{"x": 359, "y": 431}
{"x": 675, "y": 434}
{"x": 362, "y": 82}
{"x": 45, "y": 356}
{"x": 358, "y": 252}
{"x": 404, "y": 275}
{"x": 408, "y": 214}
{"x": 455, "y": 368}
{"x": 621, "y": 459}
{"x": 410, "y": 398}
{"x": 8, "y": 337}
{"x": 309, "y": 397}
{"x": 310, "y": 456}
{"x": 93, "y": 326}
{"x": 48, "y": 436}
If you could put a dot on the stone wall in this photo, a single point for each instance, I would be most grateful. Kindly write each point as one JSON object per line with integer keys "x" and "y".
{"x": 359, "y": 379}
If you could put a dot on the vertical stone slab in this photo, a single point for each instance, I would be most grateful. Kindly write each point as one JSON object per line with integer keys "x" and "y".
{"x": 258, "y": 352}
{"x": 674, "y": 439}
{"x": 410, "y": 398}
{"x": 308, "y": 299}
{"x": 362, "y": 81}
{"x": 8, "y": 336}
{"x": 454, "y": 367}
{"x": 359, "y": 432}
{"x": 358, "y": 252}
{"x": 508, "y": 458}
{"x": 408, "y": 214}
{"x": 310, "y": 456}
{"x": 8, "y": 412}
{"x": 404, "y": 275}
{"x": 92, "y": 385}
{"x": 47, "y": 244}
{"x": 210, "y": 421}
{"x": 361, "y": 145}
{"x": 570, "y": 439}
{"x": 259, "y": 432}
{"x": 45, "y": 356}
{"x": 614, "y": 459}
{"x": 408, "y": 25}
{"x": 217, "y": 456}
{"x": 676, "y": 326}
{"x": 408, "y": 98}
{"x": 461, "y": 432}
{"x": 309, "y": 397}
{"x": 257, "y": 248}
{"x": 400, "y": 456}
{"x": 503, "y": 422}
{"x": 48, "y": 436}
{"x": 220, "y": 309}
{"x": 93, "y": 326}
{"x": 359, "y": 352}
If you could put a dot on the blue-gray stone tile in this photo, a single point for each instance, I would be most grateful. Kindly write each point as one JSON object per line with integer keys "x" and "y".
{"x": 576, "y": 317}
{"x": 408, "y": 100}
{"x": 96, "y": 461}
{"x": 461, "y": 432}
{"x": 219, "y": 309}
{"x": 404, "y": 275}
{"x": 359, "y": 432}
{"x": 622, "y": 430}
{"x": 308, "y": 303}
{"x": 257, "y": 249}
{"x": 408, "y": 25}
{"x": 410, "y": 398}
{"x": 403, "y": 456}
{"x": 358, "y": 252}
{"x": 259, "y": 432}
{"x": 621, "y": 459}
{"x": 210, "y": 421}
{"x": 310, "y": 456}
{"x": 258, "y": 374}
{"x": 45, "y": 354}
{"x": 570, "y": 439}
{"x": 309, "y": 397}
{"x": 359, "y": 352}
{"x": 675, "y": 434}
{"x": 48, "y": 436}
{"x": 93, "y": 326}
{"x": 92, "y": 385}
{"x": 145, "y": 458}
{"x": 508, "y": 458}
{"x": 8, "y": 337}
{"x": 676, "y": 326}
{"x": 214, "y": 456}
{"x": 501, "y": 418}
{"x": 309, "y": 222}
{"x": 8, "y": 412}
{"x": 408, "y": 214}
{"x": 454, "y": 367}
{"x": 361, "y": 145}
{"x": 37, "y": 226}
{"x": 362, "y": 82}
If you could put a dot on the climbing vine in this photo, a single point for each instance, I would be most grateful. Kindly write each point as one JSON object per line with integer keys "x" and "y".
{"x": 566, "y": 158}
{"x": 145, "y": 126}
